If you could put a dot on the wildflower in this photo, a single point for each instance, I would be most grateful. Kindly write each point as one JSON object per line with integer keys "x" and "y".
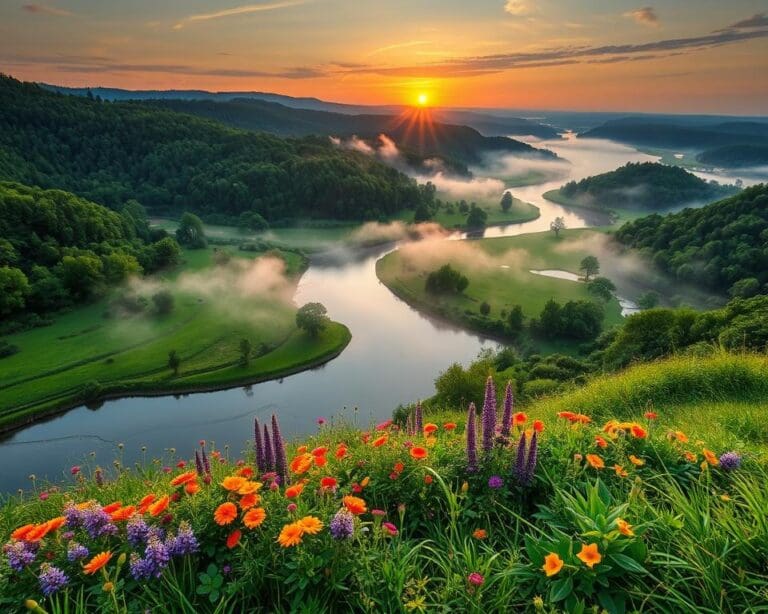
{"x": 258, "y": 445}
{"x": 488, "y": 417}
{"x": 294, "y": 491}
{"x": 97, "y": 522}
{"x": 427, "y": 479}
{"x": 254, "y": 517}
{"x": 624, "y": 527}
{"x": 538, "y": 603}
{"x": 399, "y": 467}
{"x": 519, "y": 419}
{"x": 651, "y": 415}
{"x": 76, "y": 551}
{"x": 301, "y": 463}
{"x": 418, "y": 453}
{"x": 279, "y": 449}
{"x": 183, "y": 478}
{"x": 589, "y": 555}
{"x": 495, "y": 482}
{"x": 638, "y": 431}
{"x": 552, "y": 564}
{"x": 328, "y": 483}
{"x": 184, "y": 541}
{"x": 159, "y": 506}
{"x": 620, "y": 471}
{"x": 97, "y": 562}
{"x": 20, "y": 554}
{"x": 730, "y": 461}
{"x": 342, "y": 524}
{"x": 595, "y": 461}
{"x": 389, "y": 528}
{"x": 248, "y": 501}
{"x": 679, "y": 436}
{"x": 22, "y": 531}
{"x": 249, "y": 488}
{"x": 355, "y": 505}
{"x": 383, "y": 426}
{"x": 319, "y": 451}
{"x": 449, "y": 426}
{"x": 290, "y": 535}
{"x": 341, "y": 452}
{"x": 191, "y": 488}
{"x": 525, "y": 459}
{"x": 689, "y": 456}
{"x": 710, "y": 457}
{"x": 380, "y": 441}
{"x": 538, "y": 426}
{"x": 479, "y": 533}
{"x": 568, "y": 415}
{"x": 225, "y": 513}
{"x": 320, "y": 421}
{"x": 51, "y": 579}
{"x": 475, "y": 578}
{"x": 269, "y": 452}
{"x": 637, "y": 462}
{"x": 417, "y": 416}
{"x": 310, "y": 525}
{"x": 136, "y": 530}
{"x": 291, "y": 507}
{"x": 471, "y": 440}
{"x": 233, "y": 483}
{"x": 75, "y": 470}
{"x": 233, "y": 538}
{"x": 601, "y": 443}
{"x": 506, "y": 418}
{"x": 464, "y": 487}
{"x": 124, "y": 513}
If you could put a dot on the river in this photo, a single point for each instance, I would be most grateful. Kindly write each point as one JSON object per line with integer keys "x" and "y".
{"x": 394, "y": 356}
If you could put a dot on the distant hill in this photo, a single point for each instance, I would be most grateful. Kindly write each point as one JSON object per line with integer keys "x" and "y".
{"x": 721, "y": 246}
{"x": 646, "y": 185}
{"x": 735, "y": 156}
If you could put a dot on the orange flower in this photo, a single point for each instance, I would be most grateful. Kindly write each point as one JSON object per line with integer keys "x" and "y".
{"x": 233, "y": 538}
{"x": 145, "y": 503}
{"x": 294, "y": 491}
{"x": 690, "y": 457}
{"x": 320, "y": 451}
{"x": 290, "y": 535}
{"x": 37, "y": 533}
{"x": 225, "y": 513}
{"x": 246, "y": 472}
{"x": 379, "y": 441}
{"x": 301, "y": 449}
{"x": 429, "y": 428}
{"x": 124, "y": 513}
{"x": 638, "y": 431}
{"x": 602, "y": 443}
{"x": 399, "y": 467}
{"x": 552, "y": 564}
{"x": 310, "y": 525}
{"x": 679, "y": 436}
{"x": 328, "y": 482}
{"x": 710, "y": 457}
{"x": 582, "y": 419}
{"x": 355, "y": 505}
{"x": 108, "y": 509}
{"x": 568, "y": 415}
{"x": 248, "y": 488}
{"x": 620, "y": 471}
{"x": 365, "y": 481}
{"x": 254, "y": 517}
{"x": 449, "y": 426}
{"x": 479, "y": 533}
{"x": 538, "y": 426}
{"x": 321, "y": 461}
{"x": 233, "y": 483}
{"x": 595, "y": 461}
{"x": 97, "y": 562}
{"x": 341, "y": 452}
{"x": 191, "y": 487}
{"x": 418, "y": 453}
{"x": 54, "y": 524}
{"x": 249, "y": 500}
{"x": 22, "y": 531}
{"x": 427, "y": 479}
{"x": 302, "y": 463}
{"x": 637, "y": 462}
{"x": 159, "y": 506}
{"x": 624, "y": 527}
{"x": 589, "y": 555}
{"x": 651, "y": 415}
{"x": 183, "y": 478}
{"x": 519, "y": 418}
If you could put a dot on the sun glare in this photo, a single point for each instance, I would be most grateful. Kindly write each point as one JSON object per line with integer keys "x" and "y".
{"x": 422, "y": 100}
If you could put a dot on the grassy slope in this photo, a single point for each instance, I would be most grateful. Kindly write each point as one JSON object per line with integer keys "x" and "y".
{"x": 131, "y": 355}
{"x": 501, "y": 288}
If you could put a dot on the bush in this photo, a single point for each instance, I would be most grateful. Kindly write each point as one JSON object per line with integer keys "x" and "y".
{"x": 163, "y": 301}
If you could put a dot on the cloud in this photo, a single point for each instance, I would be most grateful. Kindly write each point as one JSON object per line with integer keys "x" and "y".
{"x": 758, "y": 20}
{"x": 44, "y": 9}
{"x": 397, "y": 46}
{"x": 645, "y": 16}
{"x": 238, "y": 10}
{"x": 518, "y": 8}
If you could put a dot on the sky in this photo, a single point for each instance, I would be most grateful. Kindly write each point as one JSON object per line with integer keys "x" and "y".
{"x": 697, "y": 56}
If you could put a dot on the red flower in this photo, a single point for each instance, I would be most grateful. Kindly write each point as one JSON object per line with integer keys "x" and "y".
{"x": 233, "y": 539}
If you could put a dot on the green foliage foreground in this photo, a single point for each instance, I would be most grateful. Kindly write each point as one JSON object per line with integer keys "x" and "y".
{"x": 624, "y": 510}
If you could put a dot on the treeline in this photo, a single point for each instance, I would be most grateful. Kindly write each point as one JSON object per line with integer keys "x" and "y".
{"x": 736, "y": 156}
{"x": 57, "y": 250}
{"x": 722, "y": 246}
{"x": 171, "y": 162}
{"x": 648, "y": 185}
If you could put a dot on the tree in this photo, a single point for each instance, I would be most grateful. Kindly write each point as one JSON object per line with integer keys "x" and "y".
{"x": 174, "y": 362}
{"x": 190, "y": 232}
{"x": 506, "y": 201}
{"x": 163, "y": 301}
{"x": 745, "y": 288}
{"x": 119, "y": 265}
{"x": 81, "y": 275}
{"x": 590, "y": 266}
{"x": 648, "y": 300}
{"x": 422, "y": 213}
{"x": 477, "y": 218}
{"x": 14, "y": 287}
{"x": 557, "y": 225}
{"x": 515, "y": 320}
{"x": 446, "y": 280}
{"x": 253, "y": 221}
{"x": 312, "y": 318}
{"x": 602, "y": 287}
{"x": 245, "y": 351}
{"x": 549, "y": 320}
{"x": 485, "y": 308}
{"x": 165, "y": 253}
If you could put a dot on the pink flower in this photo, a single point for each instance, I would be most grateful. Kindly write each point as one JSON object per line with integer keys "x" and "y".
{"x": 167, "y": 469}
{"x": 378, "y": 512}
{"x": 321, "y": 421}
{"x": 202, "y": 442}
{"x": 383, "y": 426}
{"x": 389, "y": 528}
{"x": 75, "y": 470}
{"x": 44, "y": 496}
{"x": 181, "y": 464}
{"x": 475, "y": 578}
{"x": 292, "y": 507}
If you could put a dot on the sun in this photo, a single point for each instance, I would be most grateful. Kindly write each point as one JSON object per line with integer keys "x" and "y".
{"x": 422, "y": 99}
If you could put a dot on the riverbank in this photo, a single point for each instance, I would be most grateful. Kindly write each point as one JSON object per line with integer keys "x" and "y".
{"x": 96, "y": 353}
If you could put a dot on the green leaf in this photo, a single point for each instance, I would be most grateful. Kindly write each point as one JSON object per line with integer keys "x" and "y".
{"x": 625, "y": 562}
{"x": 561, "y": 589}
{"x": 212, "y": 570}
{"x": 217, "y": 581}
{"x": 214, "y": 596}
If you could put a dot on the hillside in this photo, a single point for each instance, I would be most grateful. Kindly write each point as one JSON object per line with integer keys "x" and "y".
{"x": 735, "y": 156}
{"x": 647, "y": 185}
{"x": 721, "y": 246}
{"x": 172, "y": 162}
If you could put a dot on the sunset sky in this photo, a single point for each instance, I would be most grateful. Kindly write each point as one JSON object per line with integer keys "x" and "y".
{"x": 704, "y": 56}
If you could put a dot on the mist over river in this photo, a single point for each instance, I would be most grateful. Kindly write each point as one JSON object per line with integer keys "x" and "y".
{"x": 394, "y": 356}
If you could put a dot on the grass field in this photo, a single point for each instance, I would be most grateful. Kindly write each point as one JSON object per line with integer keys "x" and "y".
{"x": 123, "y": 355}
{"x": 499, "y": 274}
{"x": 519, "y": 212}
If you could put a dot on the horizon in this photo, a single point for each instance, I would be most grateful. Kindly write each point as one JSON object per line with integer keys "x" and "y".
{"x": 669, "y": 58}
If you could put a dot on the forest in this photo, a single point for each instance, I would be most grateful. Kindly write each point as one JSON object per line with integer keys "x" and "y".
{"x": 170, "y": 162}
{"x": 721, "y": 246}
{"x": 735, "y": 156}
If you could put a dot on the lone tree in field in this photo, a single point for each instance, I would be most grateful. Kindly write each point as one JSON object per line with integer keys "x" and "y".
{"x": 174, "y": 362}
{"x": 245, "y": 351}
{"x": 601, "y": 287}
{"x": 313, "y": 318}
{"x": 190, "y": 232}
{"x": 506, "y": 201}
{"x": 557, "y": 225}
{"x": 590, "y": 266}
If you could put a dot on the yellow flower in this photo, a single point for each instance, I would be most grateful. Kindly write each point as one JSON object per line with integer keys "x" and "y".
{"x": 310, "y": 525}
{"x": 637, "y": 462}
{"x": 624, "y": 527}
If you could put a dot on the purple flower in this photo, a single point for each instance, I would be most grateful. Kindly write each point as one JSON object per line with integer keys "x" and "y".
{"x": 269, "y": 454}
{"x": 530, "y": 464}
{"x": 199, "y": 464}
{"x": 73, "y": 515}
{"x": 526, "y": 459}
{"x": 489, "y": 415}
{"x": 206, "y": 462}
{"x": 281, "y": 464}
{"x": 730, "y": 461}
{"x": 342, "y": 525}
{"x": 520, "y": 460}
{"x": 51, "y": 579}
{"x": 20, "y": 554}
{"x": 138, "y": 567}
{"x": 136, "y": 530}
{"x": 506, "y": 419}
{"x": 471, "y": 439}
{"x": 98, "y": 476}
{"x": 97, "y": 522}
{"x": 157, "y": 556}
{"x": 495, "y": 482}
{"x": 408, "y": 425}
{"x": 76, "y": 551}
{"x": 184, "y": 542}
{"x": 418, "y": 419}
{"x": 258, "y": 443}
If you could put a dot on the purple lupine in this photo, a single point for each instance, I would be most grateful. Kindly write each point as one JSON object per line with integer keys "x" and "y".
{"x": 281, "y": 463}
{"x": 342, "y": 525}
{"x": 409, "y": 425}
{"x": 184, "y": 542}
{"x": 199, "y": 464}
{"x": 136, "y": 530}
{"x": 206, "y": 462}
{"x": 20, "y": 554}
{"x": 97, "y": 522}
{"x": 506, "y": 419}
{"x": 520, "y": 460}
{"x": 471, "y": 439}
{"x": 156, "y": 555}
{"x": 258, "y": 446}
{"x": 418, "y": 419}
{"x": 269, "y": 453}
{"x": 489, "y": 415}
{"x": 138, "y": 567}
{"x": 51, "y": 579}
{"x": 530, "y": 464}
{"x": 76, "y": 551}
{"x": 730, "y": 461}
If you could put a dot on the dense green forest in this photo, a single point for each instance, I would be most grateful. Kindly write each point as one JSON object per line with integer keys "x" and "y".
{"x": 735, "y": 156}
{"x": 722, "y": 246}
{"x": 171, "y": 162}
{"x": 57, "y": 249}
{"x": 647, "y": 185}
